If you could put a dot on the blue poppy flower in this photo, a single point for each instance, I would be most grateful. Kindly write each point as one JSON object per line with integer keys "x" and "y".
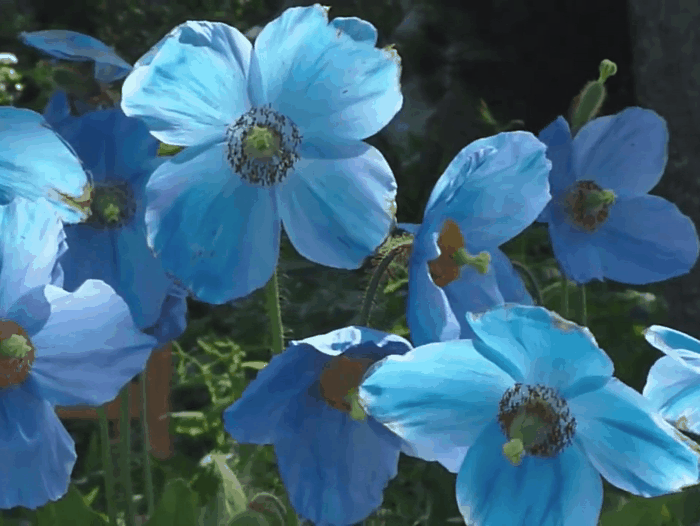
{"x": 111, "y": 246}
{"x": 601, "y": 221}
{"x": 491, "y": 191}
{"x": 529, "y": 417}
{"x": 56, "y": 348}
{"x": 673, "y": 383}
{"x": 274, "y": 136}
{"x": 77, "y": 47}
{"x": 333, "y": 464}
{"x": 36, "y": 162}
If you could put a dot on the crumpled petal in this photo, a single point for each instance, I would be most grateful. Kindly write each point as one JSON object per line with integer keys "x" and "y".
{"x": 38, "y": 452}
{"x": 334, "y": 468}
{"x": 329, "y": 83}
{"x": 557, "y": 137}
{"x": 36, "y": 162}
{"x": 562, "y": 491}
{"x": 57, "y": 110}
{"x": 89, "y": 347}
{"x": 356, "y": 28}
{"x": 630, "y": 445}
{"x": 348, "y": 339}
{"x": 674, "y": 391}
{"x": 70, "y": 45}
{"x": 625, "y": 153}
{"x": 509, "y": 281}
{"x": 218, "y": 235}
{"x": 193, "y": 86}
{"x": 31, "y": 234}
{"x": 437, "y": 397}
{"x": 537, "y": 346}
{"x": 676, "y": 344}
{"x": 338, "y": 210}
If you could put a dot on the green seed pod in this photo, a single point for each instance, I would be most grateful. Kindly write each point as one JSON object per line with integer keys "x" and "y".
{"x": 587, "y": 104}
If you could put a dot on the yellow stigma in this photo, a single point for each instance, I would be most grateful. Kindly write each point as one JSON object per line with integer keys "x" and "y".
{"x": 107, "y": 206}
{"x": 16, "y": 346}
{"x": 261, "y": 142}
{"x": 514, "y": 451}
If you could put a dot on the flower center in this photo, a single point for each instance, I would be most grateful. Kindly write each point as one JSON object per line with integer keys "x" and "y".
{"x": 536, "y": 421}
{"x": 453, "y": 255}
{"x": 113, "y": 205}
{"x": 339, "y": 382}
{"x": 16, "y": 354}
{"x": 588, "y": 205}
{"x": 263, "y": 146}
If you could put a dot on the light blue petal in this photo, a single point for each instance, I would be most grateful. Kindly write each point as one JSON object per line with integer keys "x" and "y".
{"x": 673, "y": 390}
{"x": 173, "y": 316}
{"x": 579, "y": 259}
{"x": 35, "y": 162}
{"x": 625, "y": 153}
{"x": 30, "y": 237}
{"x": 89, "y": 347}
{"x": 493, "y": 189}
{"x": 194, "y": 86}
{"x": 215, "y": 233}
{"x": 328, "y": 83}
{"x": 339, "y": 341}
{"x": 562, "y": 491}
{"x": 437, "y": 397}
{"x": 557, "y": 137}
{"x": 537, "y": 346}
{"x": 635, "y": 246}
{"x": 336, "y": 212}
{"x": 676, "y": 344}
{"x": 509, "y": 281}
{"x": 334, "y": 468}
{"x": 632, "y": 447}
{"x": 69, "y": 45}
{"x": 38, "y": 451}
{"x": 428, "y": 312}
{"x": 57, "y": 109}
{"x": 253, "y": 418}
{"x": 357, "y": 29}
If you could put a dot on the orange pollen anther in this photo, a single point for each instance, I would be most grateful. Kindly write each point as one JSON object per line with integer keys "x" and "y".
{"x": 444, "y": 270}
{"x": 340, "y": 376}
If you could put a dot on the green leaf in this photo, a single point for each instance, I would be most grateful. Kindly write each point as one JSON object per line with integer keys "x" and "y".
{"x": 236, "y": 500}
{"x": 71, "y": 510}
{"x": 250, "y": 518}
{"x": 168, "y": 149}
{"x": 177, "y": 506}
{"x": 638, "y": 511}
{"x": 254, "y": 365}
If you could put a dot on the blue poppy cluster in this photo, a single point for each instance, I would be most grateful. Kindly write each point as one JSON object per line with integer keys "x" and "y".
{"x": 520, "y": 403}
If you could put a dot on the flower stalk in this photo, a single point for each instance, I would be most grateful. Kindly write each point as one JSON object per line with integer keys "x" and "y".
{"x": 107, "y": 465}
{"x": 274, "y": 314}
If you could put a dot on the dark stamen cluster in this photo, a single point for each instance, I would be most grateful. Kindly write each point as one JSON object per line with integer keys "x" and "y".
{"x": 580, "y": 214}
{"x": 122, "y": 193}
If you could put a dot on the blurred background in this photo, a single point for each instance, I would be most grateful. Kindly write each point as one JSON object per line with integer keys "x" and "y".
{"x": 469, "y": 70}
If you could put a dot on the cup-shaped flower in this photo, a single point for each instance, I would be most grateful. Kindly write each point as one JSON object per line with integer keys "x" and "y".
{"x": 56, "y": 348}
{"x": 673, "y": 383}
{"x": 274, "y": 136}
{"x": 77, "y": 47}
{"x": 602, "y": 223}
{"x": 529, "y": 416}
{"x": 333, "y": 460}
{"x": 36, "y": 162}
{"x": 490, "y": 192}
{"x": 111, "y": 245}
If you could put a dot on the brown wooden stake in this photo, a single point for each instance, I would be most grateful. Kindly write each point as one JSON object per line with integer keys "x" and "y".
{"x": 158, "y": 385}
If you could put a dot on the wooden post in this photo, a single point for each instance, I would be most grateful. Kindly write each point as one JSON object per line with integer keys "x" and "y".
{"x": 158, "y": 379}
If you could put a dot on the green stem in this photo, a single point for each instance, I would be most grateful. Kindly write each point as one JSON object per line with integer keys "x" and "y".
{"x": 584, "y": 310}
{"x": 531, "y": 277}
{"x": 274, "y": 314}
{"x": 373, "y": 286}
{"x": 150, "y": 498}
{"x": 565, "y": 298}
{"x": 125, "y": 455}
{"x": 107, "y": 465}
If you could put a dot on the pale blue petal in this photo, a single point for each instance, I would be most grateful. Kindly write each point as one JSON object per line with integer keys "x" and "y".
{"x": 437, "y": 397}
{"x": 70, "y": 45}
{"x": 634, "y": 244}
{"x": 673, "y": 389}
{"x": 357, "y": 29}
{"x": 493, "y": 189}
{"x": 215, "y": 233}
{"x": 557, "y": 137}
{"x": 676, "y": 344}
{"x": 36, "y": 162}
{"x": 30, "y": 240}
{"x": 626, "y": 153}
{"x": 339, "y": 341}
{"x": 194, "y": 86}
{"x": 337, "y": 211}
{"x": 562, "y": 491}
{"x": 630, "y": 445}
{"x": 38, "y": 452}
{"x": 89, "y": 347}
{"x": 328, "y": 83}
{"x": 537, "y": 346}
